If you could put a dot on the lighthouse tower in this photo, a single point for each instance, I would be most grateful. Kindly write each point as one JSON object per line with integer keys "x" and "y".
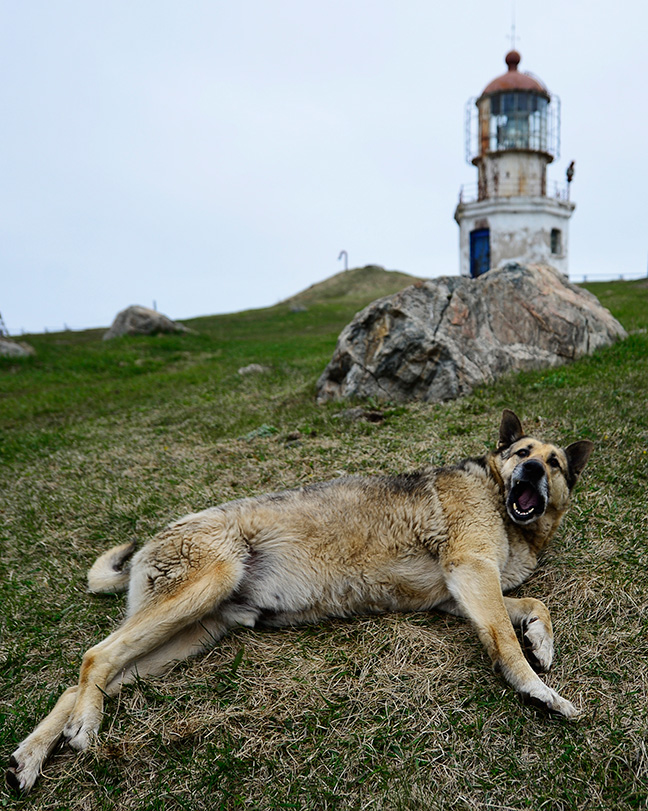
{"x": 512, "y": 135}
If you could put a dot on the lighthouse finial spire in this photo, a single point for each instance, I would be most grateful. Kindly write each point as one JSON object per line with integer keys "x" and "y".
{"x": 513, "y": 35}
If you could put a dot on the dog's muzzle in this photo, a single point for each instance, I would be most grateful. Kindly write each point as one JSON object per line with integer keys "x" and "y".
{"x": 528, "y": 493}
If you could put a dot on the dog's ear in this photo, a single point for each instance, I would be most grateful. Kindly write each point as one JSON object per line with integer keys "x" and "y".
{"x": 510, "y": 429}
{"x": 577, "y": 455}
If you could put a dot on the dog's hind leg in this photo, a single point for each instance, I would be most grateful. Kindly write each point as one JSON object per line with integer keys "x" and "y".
{"x": 532, "y": 618}
{"x": 186, "y": 644}
{"x": 148, "y": 628}
{"x": 170, "y": 626}
{"x": 26, "y": 763}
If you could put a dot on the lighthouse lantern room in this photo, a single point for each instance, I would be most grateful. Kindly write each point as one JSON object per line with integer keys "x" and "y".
{"x": 512, "y": 214}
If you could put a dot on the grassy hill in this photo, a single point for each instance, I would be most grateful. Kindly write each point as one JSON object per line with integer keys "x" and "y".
{"x": 360, "y": 284}
{"x": 105, "y": 442}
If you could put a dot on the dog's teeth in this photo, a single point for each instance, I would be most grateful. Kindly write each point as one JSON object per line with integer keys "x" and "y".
{"x": 520, "y": 511}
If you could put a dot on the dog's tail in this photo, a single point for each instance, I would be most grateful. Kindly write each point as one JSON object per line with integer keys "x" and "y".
{"x": 108, "y": 572}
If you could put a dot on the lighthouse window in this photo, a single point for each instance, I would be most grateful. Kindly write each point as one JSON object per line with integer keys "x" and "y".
{"x": 556, "y": 241}
{"x": 518, "y": 121}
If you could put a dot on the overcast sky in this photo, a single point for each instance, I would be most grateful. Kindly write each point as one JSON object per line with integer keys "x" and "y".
{"x": 213, "y": 156}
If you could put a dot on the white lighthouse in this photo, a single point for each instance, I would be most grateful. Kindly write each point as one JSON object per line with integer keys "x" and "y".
{"x": 512, "y": 213}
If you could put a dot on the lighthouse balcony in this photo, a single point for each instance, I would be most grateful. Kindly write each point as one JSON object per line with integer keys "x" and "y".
{"x": 505, "y": 189}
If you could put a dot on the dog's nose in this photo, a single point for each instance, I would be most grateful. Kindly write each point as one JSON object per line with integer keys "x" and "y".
{"x": 532, "y": 471}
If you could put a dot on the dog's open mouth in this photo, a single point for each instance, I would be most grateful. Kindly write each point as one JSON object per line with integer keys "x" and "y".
{"x": 525, "y": 502}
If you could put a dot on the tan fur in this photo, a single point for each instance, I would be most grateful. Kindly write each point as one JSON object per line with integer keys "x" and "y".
{"x": 445, "y": 538}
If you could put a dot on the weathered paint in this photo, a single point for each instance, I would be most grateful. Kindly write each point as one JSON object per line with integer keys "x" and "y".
{"x": 520, "y": 230}
{"x": 513, "y": 174}
{"x": 516, "y": 139}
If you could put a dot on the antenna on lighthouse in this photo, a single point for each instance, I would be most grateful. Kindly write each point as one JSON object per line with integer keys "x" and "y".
{"x": 513, "y": 35}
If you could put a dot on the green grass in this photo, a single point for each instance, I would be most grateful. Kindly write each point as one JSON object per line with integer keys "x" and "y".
{"x": 102, "y": 442}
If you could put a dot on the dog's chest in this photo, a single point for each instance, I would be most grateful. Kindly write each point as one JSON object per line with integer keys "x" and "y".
{"x": 519, "y": 565}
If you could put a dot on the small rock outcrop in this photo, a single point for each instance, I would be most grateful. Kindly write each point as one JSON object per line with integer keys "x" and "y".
{"x": 137, "y": 320}
{"x": 438, "y": 339}
{"x": 15, "y": 349}
{"x": 254, "y": 369}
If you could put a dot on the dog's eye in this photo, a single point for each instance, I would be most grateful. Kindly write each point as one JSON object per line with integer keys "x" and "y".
{"x": 553, "y": 462}
{"x": 523, "y": 452}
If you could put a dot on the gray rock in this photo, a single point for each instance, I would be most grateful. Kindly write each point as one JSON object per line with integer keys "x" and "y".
{"x": 137, "y": 320}
{"x": 15, "y": 349}
{"x": 438, "y": 339}
{"x": 254, "y": 369}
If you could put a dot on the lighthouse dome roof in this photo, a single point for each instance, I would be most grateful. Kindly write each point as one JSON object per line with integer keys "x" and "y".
{"x": 513, "y": 79}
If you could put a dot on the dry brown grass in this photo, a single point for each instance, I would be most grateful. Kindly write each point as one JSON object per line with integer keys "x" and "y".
{"x": 395, "y": 712}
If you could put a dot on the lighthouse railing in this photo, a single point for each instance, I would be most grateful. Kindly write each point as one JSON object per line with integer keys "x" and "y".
{"x": 475, "y": 192}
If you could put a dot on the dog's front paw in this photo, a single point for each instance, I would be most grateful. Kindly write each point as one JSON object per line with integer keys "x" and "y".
{"x": 542, "y": 696}
{"x": 537, "y": 643}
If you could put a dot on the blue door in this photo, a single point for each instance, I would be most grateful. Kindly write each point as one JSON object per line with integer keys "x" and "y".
{"x": 479, "y": 251}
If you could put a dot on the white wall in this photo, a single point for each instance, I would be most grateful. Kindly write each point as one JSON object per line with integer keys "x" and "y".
{"x": 520, "y": 230}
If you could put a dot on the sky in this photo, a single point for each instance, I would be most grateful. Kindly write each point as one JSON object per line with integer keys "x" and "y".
{"x": 210, "y": 156}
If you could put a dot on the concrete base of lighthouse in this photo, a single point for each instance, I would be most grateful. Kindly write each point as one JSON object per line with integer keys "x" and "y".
{"x": 523, "y": 229}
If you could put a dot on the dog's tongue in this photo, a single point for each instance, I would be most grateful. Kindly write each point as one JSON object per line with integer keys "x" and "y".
{"x": 528, "y": 498}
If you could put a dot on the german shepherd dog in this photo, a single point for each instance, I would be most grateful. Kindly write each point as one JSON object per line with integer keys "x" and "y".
{"x": 453, "y": 539}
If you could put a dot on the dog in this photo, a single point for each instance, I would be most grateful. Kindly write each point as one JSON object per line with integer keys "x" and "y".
{"x": 454, "y": 539}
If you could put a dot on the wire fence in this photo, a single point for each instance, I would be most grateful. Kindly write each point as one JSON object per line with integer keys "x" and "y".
{"x": 17, "y": 332}
{"x": 631, "y": 276}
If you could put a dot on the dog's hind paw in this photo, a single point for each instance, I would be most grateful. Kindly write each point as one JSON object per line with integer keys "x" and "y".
{"x": 79, "y": 734}
{"x": 22, "y": 773}
{"x": 537, "y": 643}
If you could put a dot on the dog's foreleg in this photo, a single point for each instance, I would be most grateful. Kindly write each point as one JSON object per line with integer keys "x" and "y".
{"x": 475, "y": 585}
{"x": 532, "y": 618}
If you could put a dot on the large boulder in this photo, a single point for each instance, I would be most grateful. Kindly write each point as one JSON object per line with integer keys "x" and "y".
{"x": 15, "y": 349}
{"x": 137, "y": 320}
{"x": 438, "y": 339}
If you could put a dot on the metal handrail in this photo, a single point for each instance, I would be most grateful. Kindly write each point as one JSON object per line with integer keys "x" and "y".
{"x": 472, "y": 192}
